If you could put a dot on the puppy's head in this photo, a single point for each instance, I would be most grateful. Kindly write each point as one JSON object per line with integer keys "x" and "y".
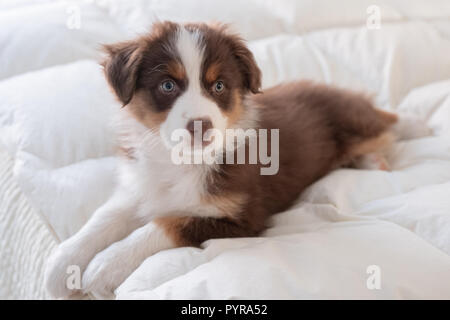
{"x": 179, "y": 74}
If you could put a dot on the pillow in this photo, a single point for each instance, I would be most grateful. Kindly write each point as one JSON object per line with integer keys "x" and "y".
{"x": 37, "y": 36}
{"x": 55, "y": 124}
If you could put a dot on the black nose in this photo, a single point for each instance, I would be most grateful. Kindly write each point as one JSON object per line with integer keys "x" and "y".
{"x": 202, "y": 123}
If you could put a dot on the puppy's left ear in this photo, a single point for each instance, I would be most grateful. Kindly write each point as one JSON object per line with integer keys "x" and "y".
{"x": 121, "y": 68}
{"x": 247, "y": 64}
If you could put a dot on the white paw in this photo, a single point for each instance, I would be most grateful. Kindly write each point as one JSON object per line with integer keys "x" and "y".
{"x": 61, "y": 273}
{"x": 105, "y": 273}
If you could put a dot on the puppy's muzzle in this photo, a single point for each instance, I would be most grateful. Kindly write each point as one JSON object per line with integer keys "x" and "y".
{"x": 197, "y": 128}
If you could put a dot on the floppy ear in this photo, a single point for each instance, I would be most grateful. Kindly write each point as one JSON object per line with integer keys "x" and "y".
{"x": 121, "y": 68}
{"x": 247, "y": 64}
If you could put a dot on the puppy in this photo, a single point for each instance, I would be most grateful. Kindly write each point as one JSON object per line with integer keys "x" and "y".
{"x": 198, "y": 78}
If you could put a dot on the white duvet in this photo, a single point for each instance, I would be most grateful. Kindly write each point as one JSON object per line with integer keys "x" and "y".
{"x": 353, "y": 234}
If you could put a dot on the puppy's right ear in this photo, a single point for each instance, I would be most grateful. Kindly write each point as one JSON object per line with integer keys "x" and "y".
{"x": 121, "y": 68}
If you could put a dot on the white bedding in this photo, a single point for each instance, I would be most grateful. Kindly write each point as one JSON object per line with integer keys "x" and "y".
{"x": 55, "y": 107}
{"x": 25, "y": 241}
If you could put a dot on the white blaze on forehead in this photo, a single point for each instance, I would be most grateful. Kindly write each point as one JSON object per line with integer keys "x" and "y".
{"x": 191, "y": 50}
{"x": 193, "y": 103}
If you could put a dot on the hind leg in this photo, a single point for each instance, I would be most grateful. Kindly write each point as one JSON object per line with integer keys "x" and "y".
{"x": 362, "y": 131}
{"x": 372, "y": 161}
{"x": 368, "y": 137}
{"x": 370, "y": 153}
{"x": 407, "y": 127}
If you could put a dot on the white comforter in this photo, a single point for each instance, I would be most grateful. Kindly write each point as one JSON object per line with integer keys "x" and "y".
{"x": 55, "y": 108}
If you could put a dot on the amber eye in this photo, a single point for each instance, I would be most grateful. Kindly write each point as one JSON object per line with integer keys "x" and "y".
{"x": 167, "y": 86}
{"x": 219, "y": 86}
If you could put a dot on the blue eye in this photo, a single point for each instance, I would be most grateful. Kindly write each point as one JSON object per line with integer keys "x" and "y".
{"x": 219, "y": 86}
{"x": 167, "y": 86}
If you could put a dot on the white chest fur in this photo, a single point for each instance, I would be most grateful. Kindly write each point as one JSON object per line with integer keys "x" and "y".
{"x": 155, "y": 182}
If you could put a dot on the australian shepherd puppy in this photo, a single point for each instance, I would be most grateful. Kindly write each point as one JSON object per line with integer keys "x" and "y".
{"x": 202, "y": 81}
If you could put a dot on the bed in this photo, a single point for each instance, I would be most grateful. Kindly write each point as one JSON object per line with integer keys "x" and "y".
{"x": 355, "y": 234}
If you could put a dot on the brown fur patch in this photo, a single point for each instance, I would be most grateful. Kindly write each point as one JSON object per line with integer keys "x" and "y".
{"x": 192, "y": 231}
{"x": 228, "y": 205}
{"x": 121, "y": 68}
{"x": 139, "y": 108}
{"x": 227, "y": 58}
{"x": 212, "y": 73}
{"x": 176, "y": 70}
{"x": 389, "y": 117}
{"x": 375, "y": 144}
{"x": 144, "y": 63}
{"x": 235, "y": 113}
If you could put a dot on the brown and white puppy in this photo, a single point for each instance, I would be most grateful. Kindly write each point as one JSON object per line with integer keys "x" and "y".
{"x": 167, "y": 80}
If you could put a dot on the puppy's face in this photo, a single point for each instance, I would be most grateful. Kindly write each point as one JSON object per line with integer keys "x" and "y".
{"x": 180, "y": 74}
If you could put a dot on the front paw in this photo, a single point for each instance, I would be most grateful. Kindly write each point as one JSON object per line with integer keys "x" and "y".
{"x": 62, "y": 276}
{"x": 104, "y": 274}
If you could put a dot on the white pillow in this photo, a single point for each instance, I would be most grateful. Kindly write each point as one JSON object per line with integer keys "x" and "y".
{"x": 55, "y": 124}
{"x": 38, "y": 36}
{"x": 387, "y": 63}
